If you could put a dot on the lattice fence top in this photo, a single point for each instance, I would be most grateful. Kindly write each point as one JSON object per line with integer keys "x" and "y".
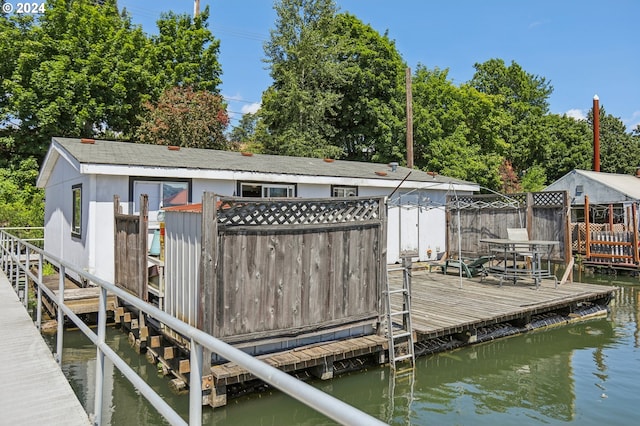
{"x": 514, "y": 201}
{"x": 243, "y": 212}
{"x": 499, "y": 201}
{"x": 548, "y": 199}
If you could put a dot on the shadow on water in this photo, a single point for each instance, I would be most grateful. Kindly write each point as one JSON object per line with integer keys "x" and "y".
{"x": 577, "y": 373}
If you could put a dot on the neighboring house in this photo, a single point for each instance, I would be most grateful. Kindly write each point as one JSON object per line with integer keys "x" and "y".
{"x": 608, "y": 235}
{"x": 602, "y": 189}
{"x": 81, "y": 177}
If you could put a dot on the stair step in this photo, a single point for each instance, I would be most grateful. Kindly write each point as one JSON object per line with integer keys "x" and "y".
{"x": 399, "y": 313}
{"x": 401, "y": 335}
{"x": 401, "y": 290}
{"x": 403, "y": 357}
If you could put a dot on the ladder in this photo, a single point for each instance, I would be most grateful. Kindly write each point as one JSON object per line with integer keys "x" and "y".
{"x": 401, "y": 394}
{"x": 398, "y": 308}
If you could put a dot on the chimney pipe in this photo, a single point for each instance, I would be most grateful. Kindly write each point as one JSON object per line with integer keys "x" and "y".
{"x": 596, "y": 134}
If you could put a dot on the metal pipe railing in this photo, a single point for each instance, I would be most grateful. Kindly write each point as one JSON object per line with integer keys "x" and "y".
{"x": 326, "y": 404}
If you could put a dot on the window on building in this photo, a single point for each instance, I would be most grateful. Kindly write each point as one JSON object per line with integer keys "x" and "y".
{"x": 76, "y": 212}
{"x": 344, "y": 191}
{"x": 160, "y": 194}
{"x": 267, "y": 190}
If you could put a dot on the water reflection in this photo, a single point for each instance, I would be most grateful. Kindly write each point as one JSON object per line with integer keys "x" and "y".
{"x": 532, "y": 374}
{"x": 579, "y": 373}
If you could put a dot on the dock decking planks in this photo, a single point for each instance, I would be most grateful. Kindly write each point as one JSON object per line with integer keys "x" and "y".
{"x": 34, "y": 389}
{"x": 79, "y": 300}
{"x": 440, "y": 307}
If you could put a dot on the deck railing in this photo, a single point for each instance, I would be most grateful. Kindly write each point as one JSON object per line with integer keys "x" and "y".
{"x": 19, "y": 258}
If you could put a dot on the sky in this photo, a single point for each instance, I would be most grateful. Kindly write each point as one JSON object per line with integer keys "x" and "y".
{"x": 581, "y": 47}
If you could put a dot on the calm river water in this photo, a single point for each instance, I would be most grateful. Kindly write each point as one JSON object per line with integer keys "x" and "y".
{"x": 585, "y": 373}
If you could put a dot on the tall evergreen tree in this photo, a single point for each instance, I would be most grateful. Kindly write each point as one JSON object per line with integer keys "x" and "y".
{"x": 303, "y": 59}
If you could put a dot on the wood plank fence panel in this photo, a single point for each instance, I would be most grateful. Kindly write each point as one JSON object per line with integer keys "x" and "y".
{"x": 130, "y": 249}
{"x": 544, "y": 214}
{"x": 288, "y": 266}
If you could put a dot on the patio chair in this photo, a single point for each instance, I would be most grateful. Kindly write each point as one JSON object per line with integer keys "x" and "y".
{"x": 439, "y": 262}
{"x": 470, "y": 267}
{"x": 522, "y": 250}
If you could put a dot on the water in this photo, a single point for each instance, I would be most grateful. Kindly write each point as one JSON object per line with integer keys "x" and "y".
{"x": 585, "y": 373}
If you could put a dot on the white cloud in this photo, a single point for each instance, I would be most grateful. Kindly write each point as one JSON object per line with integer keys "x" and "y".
{"x": 633, "y": 122}
{"x": 577, "y": 114}
{"x": 251, "y": 108}
{"x": 540, "y": 23}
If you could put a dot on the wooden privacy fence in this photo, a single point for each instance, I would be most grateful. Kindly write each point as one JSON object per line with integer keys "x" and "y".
{"x": 471, "y": 218}
{"x": 282, "y": 267}
{"x": 130, "y": 248}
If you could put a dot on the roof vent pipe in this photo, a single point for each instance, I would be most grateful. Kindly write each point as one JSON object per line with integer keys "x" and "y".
{"x": 394, "y": 166}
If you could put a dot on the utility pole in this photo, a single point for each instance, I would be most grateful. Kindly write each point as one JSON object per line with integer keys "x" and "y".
{"x": 409, "y": 119}
{"x": 196, "y": 8}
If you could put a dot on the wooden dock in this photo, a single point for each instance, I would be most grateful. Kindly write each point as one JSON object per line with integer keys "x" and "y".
{"x": 444, "y": 308}
{"x": 34, "y": 389}
{"x": 443, "y": 305}
{"x": 81, "y": 300}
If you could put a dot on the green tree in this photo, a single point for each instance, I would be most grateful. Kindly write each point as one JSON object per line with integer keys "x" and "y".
{"x": 371, "y": 112}
{"x": 21, "y": 203}
{"x": 79, "y": 71}
{"x": 523, "y": 99}
{"x": 303, "y": 58}
{"x": 185, "y": 117}
{"x": 619, "y": 150}
{"x": 245, "y": 130}
{"x": 185, "y": 52}
{"x": 455, "y": 129}
{"x": 518, "y": 91}
{"x": 83, "y": 70}
{"x": 567, "y": 145}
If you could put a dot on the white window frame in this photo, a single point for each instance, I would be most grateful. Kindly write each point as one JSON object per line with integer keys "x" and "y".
{"x": 156, "y": 199}
{"x": 76, "y": 211}
{"x": 265, "y": 189}
{"x": 344, "y": 191}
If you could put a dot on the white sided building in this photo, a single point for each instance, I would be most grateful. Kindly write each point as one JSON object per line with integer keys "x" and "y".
{"x": 81, "y": 177}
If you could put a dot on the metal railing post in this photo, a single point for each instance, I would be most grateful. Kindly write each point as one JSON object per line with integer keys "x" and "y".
{"x": 195, "y": 384}
{"x": 308, "y": 395}
{"x": 11, "y": 262}
{"x": 60, "y": 316}
{"x": 2, "y": 249}
{"x": 27, "y": 265}
{"x": 39, "y": 287}
{"x": 102, "y": 325}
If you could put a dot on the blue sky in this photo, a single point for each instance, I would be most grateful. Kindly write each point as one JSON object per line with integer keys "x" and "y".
{"x": 583, "y": 47}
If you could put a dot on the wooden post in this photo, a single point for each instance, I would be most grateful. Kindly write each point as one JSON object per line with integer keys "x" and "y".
{"x": 382, "y": 260}
{"x": 206, "y": 315}
{"x": 409, "y": 119}
{"x": 636, "y": 242}
{"x": 116, "y": 261}
{"x": 568, "y": 258}
{"x": 530, "y": 215}
{"x": 611, "y": 217}
{"x": 587, "y": 236}
{"x": 142, "y": 248}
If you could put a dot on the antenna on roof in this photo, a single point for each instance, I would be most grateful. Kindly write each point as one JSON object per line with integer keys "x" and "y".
{"x": 401, "y": 182}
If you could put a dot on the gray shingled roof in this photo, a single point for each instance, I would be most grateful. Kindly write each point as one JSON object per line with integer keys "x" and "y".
{"x": 133, "y": 154}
